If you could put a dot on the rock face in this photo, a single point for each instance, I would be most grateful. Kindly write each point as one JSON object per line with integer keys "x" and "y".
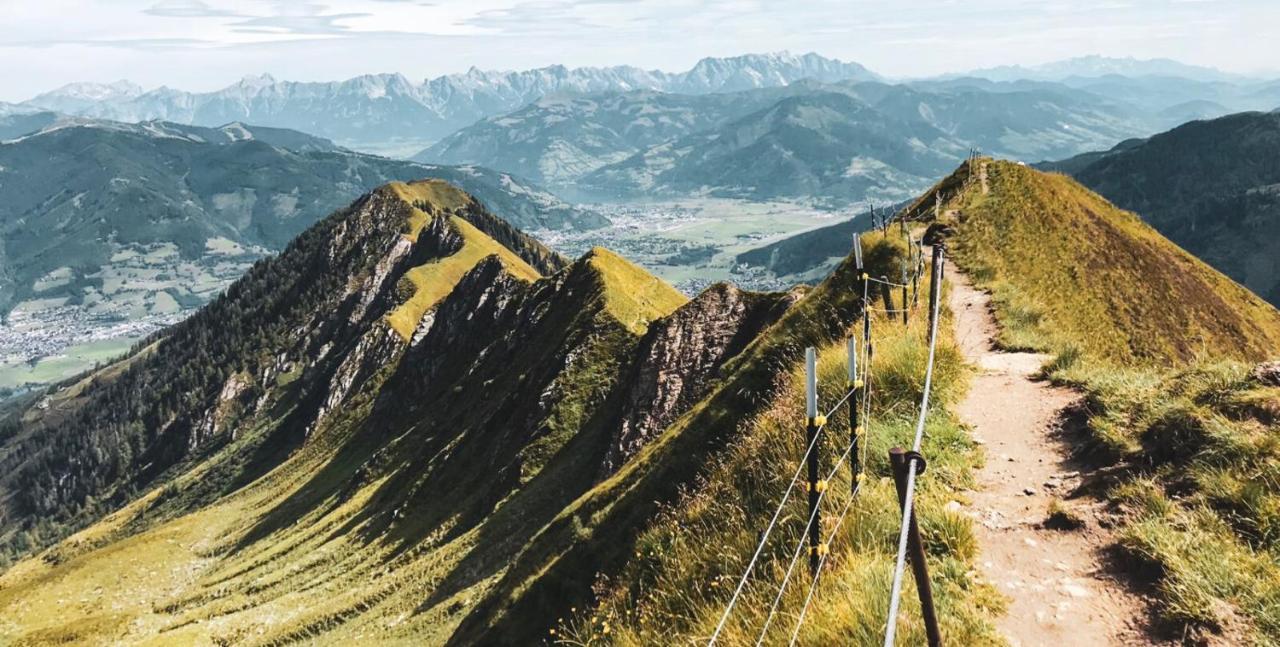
{"x": 1268, "y": 373}
{"x": 679, "y": 359}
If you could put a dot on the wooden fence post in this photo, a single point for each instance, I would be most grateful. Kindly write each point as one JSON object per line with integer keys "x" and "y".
{"x": 855, "y": 400}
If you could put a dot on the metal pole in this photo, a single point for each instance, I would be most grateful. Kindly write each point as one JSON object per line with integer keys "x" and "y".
{"x": 904, "y": 293}
{"x": 811, "y": 433}
{"x": 915, "y": 285}
{"x": 935, "y": 288}
{"x": 915, "y": 548}
{"x": 886, "y": 295}
{"x": 855, "y": 386}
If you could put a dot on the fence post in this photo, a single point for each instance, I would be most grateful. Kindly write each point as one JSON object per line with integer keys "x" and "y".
{"x": 915, "y": 281}
{"x": 886, "y": 295}
{"x": 905, "y": 309}
{"x": 815, "y": 422}
{"x": 900, "y": 461}
{"x": 935, "y": 286}
{"x": 855, "y": 388}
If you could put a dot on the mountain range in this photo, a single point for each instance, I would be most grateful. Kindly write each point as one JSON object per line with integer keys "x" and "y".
{"x": 390, "y": 114}
{"x": 556, "y": 140}
{"x": 836, "y": 143}
{"x": 1093, "y": 66}
{"x": 387, "y": 113}
{"x": 418, "y": 425}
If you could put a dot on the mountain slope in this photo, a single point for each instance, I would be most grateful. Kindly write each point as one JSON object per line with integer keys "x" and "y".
{"x": 1098, "y": 276}
{"x": 1213, "y": 187}
{"x": 1099, "y": 66}
{"x": 16, "y": 125}
{"x": 73, "y": 194}
{"x": 855, "y": 142}
{"x": 828, "y": 145}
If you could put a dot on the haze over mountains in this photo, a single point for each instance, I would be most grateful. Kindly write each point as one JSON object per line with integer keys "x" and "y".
{"x": 388, "y": 113}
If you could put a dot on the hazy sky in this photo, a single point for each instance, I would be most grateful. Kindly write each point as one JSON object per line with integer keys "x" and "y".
{"x": 208, "y": 44}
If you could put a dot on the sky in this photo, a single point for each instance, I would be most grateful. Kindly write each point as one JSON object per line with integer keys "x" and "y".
{"x": 202, "y": 45}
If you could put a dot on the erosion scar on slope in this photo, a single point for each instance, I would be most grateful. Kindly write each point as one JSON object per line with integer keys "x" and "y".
{"x": 1056, "y": 580}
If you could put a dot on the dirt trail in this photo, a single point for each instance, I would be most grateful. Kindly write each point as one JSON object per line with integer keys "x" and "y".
{"x": 1057, "y": 583}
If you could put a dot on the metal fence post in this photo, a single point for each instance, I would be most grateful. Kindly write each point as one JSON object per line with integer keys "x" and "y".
{"x": 905, "y": 307}
{"x": 899, "y": 459}
{"x": 886, "y": 295}
{"x": 812, "y": 429}
{"x": 855, "y": 387}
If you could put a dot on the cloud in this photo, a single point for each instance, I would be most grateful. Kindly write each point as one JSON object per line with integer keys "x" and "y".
{"x": 187, "y": 9}
{"x": 312, "y": 24}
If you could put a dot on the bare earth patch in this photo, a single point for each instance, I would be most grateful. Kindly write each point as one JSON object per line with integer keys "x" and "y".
{"x": 1055, "y": 574}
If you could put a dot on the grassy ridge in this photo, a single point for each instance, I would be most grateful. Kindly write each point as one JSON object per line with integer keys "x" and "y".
{"x": 433, "y": 281}
{"x": 1066, "y": 268}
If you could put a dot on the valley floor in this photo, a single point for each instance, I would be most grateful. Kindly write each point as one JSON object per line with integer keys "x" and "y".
{"x": 1059, "y": 586}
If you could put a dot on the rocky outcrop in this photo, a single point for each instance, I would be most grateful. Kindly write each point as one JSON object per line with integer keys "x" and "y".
{"x": 680, "y": 357}
{"x": 1268, "y": 373}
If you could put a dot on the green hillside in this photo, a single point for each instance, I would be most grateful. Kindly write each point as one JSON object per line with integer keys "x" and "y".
{"x": 1211, "y": 187}
{"x": 1069, "y": 269}
{"x": 85, "y": 197}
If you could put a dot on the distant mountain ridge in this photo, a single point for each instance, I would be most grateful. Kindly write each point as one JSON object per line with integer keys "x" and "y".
{"x": 1096, "y": 66}
{"x": 558, "y": 139}
{"x": 389, "y": 113}
{"x": 831, "y": 143}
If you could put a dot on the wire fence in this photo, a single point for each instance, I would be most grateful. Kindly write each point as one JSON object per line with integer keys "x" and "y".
{"x": 859, "y": 388}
